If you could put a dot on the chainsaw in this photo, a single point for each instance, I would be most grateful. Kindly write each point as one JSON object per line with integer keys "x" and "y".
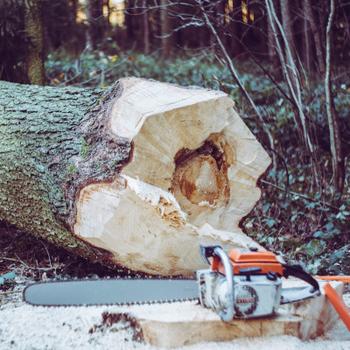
{"x": 241, "y": 284}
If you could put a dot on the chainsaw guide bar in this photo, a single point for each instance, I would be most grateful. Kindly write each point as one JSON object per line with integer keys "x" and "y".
{"x": 110, "y": 292}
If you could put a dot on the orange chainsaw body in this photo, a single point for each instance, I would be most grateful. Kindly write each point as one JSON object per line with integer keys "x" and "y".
{"x": 243, "y": 261}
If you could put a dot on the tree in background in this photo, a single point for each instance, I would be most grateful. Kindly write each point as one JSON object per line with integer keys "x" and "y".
{"x": 35, "y": 33}
{"x": 13, "y": 41}
{"x": 165, "y": 28}
{"x": 332, "y": 116}
{"x": 310, "y": 22}
{"x": 29, "y": 30}
{"x": 146, "y": 36}
{"x": 96, "y": 23}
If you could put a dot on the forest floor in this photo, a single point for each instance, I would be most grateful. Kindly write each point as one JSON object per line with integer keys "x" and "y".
{"x": 26, "y": 327}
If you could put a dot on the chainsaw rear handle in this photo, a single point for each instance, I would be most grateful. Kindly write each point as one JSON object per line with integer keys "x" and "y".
{"x": 217, "y": 253}
{"x": 298, "y": 272}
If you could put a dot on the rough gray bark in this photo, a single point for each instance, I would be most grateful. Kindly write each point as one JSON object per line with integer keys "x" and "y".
{"x": 52, "y": 142}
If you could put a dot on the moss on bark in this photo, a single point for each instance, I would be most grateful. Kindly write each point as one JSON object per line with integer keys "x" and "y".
{"x": 52, "y": 142}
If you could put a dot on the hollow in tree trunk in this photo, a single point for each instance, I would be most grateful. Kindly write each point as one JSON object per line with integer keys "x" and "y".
{"x": 137, "y": 176}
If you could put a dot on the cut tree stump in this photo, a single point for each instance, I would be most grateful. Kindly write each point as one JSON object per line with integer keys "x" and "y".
{"x": 180, "y": 324}
{"x": 137, "y": 176}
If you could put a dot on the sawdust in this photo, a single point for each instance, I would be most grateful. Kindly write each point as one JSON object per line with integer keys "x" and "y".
{"x": 26, "y": 327}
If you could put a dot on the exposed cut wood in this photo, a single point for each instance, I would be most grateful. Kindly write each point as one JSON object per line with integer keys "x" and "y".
{"x": 193, "y": 174}
{"x": 139, "y": 176}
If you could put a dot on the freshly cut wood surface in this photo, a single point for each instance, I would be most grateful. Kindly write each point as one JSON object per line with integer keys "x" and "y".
{"x": 137, "y": 176}
{"x": 180, "y": 324}
{"x": 191, "y": 179}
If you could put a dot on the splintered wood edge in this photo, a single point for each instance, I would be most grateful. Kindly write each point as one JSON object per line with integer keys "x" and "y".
{"x": 181, "y": 324}
{"x": 156, "y": 238}
{"x": 135, "y": 217}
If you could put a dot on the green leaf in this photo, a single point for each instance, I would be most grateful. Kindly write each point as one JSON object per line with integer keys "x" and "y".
{"x": 315, "y": 247}
{"x": 270, "y": 222}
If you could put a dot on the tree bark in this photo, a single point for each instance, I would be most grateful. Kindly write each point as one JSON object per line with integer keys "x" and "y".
{"x": 332, "y": 116}
{"x": 307, "y": 53}
{"x": 108, "y": 17}
{"x": 287, "y": 22}
{"x": 138, "y": 176}
{"x": 272, "y": 53}
{"x": 309, "y": 14}
{"x": 146, "y": 42}
{"x": 35, "y": 34}
{"x": 165, "y": 28}
{"x": 236, "y": 29}
{"x": 129, "y": 21}
{"x": 96, "y": 23}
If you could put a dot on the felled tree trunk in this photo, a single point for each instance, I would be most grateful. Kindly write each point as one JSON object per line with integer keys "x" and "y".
{"x": 137, "y": 176}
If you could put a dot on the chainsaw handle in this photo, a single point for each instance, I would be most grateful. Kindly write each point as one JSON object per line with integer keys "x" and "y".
{"x": 298, "y": 272}
{"x": 208, "y": 251}
{"x": 227, "y": 314}
{"x": 217, "y": 253}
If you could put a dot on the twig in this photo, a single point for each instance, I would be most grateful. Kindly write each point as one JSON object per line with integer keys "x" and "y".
{"x": 299, "y": 194}
{"x": 28, "y": 266}
{"x": 48, "y": 254}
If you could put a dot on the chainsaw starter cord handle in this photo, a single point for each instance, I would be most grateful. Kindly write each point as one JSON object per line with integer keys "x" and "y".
{"x": 297, "y": 271}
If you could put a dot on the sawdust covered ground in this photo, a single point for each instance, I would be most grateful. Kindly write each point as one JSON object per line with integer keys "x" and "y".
{"x": 26, "y": 327}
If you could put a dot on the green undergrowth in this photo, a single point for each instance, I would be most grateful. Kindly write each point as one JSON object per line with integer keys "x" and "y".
{"x": 296, "y": 215}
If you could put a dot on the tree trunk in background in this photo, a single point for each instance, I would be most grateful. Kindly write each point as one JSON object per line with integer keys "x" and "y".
{"x": 96, "y": 23}
{"x": 138, "y": 176}
{"x": 306, "y": 54}
{"x": 36, "y": 52}
{"x": 74, "y": 10}
{"x": 134, "y": 21}
{"x": 165, "y": 28}
{"x": 316, "y": 30}
{"x": 271, "y": 48}
{"x": 236, "y": 29}
{"x": 129, "y": 18}
{"x": 146, "y": 43}
{"x": 219, "y": 22}
{"x": 287, "y": 22}
{"x": 332, "y": 115}
{"x": 108, "y": 18}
